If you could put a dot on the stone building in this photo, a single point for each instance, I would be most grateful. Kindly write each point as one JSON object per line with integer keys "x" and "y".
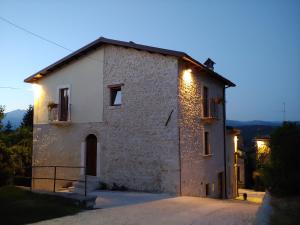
{"x": 145, "y": 118}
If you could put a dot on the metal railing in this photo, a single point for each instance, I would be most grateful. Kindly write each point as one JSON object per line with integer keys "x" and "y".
{"x": 54, "y": 113}
{"x": 54, "y": 178}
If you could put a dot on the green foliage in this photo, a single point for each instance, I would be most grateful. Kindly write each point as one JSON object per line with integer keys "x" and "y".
{"x": 2, "y": 109}
{"x": 6, "y": 170}
{"x": 28, "y": 118}
{"x": 15, "y": 150}
{"x": 8, "y": 127}
{"x": 281, "y": 174}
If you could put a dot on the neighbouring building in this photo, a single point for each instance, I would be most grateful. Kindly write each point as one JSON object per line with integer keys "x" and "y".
{"x": 235, "y": 162}
{"x": 262, "y": 148}
{"x": 142, "y": 117}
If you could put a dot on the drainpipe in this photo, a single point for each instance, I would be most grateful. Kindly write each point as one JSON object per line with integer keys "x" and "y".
{"x": 224, "y": 130}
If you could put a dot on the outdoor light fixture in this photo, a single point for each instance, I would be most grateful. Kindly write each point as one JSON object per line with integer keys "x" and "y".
{"x": 235, "y": 143}
{"x": 187, "y": 76}
{"x": 38, "y": 76}
{"x": 260, "y": 144}
{"x": 37, "y": 89}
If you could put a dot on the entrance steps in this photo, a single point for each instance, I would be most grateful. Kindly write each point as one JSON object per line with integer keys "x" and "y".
{"x": 92, "y": 183}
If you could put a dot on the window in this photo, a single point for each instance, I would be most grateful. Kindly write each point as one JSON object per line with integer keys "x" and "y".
{"x": 206, "y": 143}
{"x": 205, "y": 102}
{"x": 115, "y": 95}
{"x": 214, "y": 112}
{"x": 63, "y": 104}
{"x": 207, "y": 191}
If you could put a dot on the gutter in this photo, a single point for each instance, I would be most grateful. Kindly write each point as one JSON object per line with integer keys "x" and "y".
{"x": 224, "y": 131}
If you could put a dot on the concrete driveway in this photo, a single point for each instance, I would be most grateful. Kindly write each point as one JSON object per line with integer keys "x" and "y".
{"x": 128, "y": 208}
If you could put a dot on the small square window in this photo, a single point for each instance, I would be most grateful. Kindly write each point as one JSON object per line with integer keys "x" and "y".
{"x": 115, "y": 96}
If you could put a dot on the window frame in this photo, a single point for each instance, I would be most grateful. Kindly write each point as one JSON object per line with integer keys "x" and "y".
{"x": 59, "y": 88}
{"x": 115, "y": 87}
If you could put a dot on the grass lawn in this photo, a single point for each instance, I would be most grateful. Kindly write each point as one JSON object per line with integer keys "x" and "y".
{"x": 286, "y": 211}
{"x": 18, "y": 206}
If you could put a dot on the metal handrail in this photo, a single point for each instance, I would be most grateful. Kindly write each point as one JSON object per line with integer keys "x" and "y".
{"x": 54, "y": 178}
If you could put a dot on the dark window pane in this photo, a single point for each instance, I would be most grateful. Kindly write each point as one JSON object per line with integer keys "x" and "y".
{"x": 205, "y": 102}
{"x": 63, "y": 104}
{"x": 115, "y": 96}
{"x": 206, "y": 143}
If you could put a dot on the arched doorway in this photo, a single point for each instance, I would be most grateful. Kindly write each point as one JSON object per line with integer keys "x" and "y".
{"x": 91, "y": 155}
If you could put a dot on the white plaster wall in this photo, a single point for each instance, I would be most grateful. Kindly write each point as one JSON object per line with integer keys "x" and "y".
{"x": 85, "y": 79}
{"x": 231, "y": 169}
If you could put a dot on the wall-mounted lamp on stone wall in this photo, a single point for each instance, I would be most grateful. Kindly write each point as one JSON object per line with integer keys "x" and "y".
{"x": 187, "y": 76}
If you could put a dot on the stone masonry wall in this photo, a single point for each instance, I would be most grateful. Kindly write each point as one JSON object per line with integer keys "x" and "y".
{"x": 137, "y": 149}
{"x": 196, "y": 168}
{"x": 56, "y": 145}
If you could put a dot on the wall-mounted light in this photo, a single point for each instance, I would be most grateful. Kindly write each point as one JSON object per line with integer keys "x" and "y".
{"x": 38, "y": 76}
{"x": 37, "y": 89}
{"x": 260, "y": 144}
{"x": 235, "y": 139}
{"x": 187, "y": 76}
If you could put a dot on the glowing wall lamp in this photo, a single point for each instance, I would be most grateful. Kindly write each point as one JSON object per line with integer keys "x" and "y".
{"x": 187, "y": 76}
{"x": 260, "y": 144}
{"x": 235, "y": 139}
{"x": 37, "y": 90}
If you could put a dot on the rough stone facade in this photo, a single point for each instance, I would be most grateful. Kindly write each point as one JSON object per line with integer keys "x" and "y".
{"x": 198, "y": 169}
{"x": 138, "y": 150}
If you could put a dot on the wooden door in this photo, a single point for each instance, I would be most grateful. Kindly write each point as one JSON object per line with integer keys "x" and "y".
{"x": 91, "y": 155}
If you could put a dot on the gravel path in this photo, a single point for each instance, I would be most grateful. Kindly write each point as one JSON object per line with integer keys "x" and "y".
{"x": 151, "y": 209}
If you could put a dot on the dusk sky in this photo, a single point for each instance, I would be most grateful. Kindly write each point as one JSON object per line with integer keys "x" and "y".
{"x": 255, "y": 44}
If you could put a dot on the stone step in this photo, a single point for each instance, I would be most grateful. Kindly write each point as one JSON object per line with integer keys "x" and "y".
{"x": 92, "y": 184}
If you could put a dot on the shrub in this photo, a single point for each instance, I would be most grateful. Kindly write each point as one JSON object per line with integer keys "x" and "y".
{"x": 281, "y": 174}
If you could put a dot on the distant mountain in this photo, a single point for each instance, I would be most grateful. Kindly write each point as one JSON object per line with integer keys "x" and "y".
{"x": 15, "y": 117}
{"x": 237, "y": 123}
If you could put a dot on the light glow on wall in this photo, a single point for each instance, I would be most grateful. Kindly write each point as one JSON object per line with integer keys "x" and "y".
{"x": 235, "y": 139}
{"x": 262, "y": 147}
{"x": 260, "y": 144}
{"x": 187, "y": 76}
{"x": 37, "y": 90}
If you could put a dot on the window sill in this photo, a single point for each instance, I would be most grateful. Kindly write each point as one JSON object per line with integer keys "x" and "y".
{"x": 208, "y": 119}
{"x": 207, "y": 155}
{"x": 60, "y": 123}
{"x": 115, "y": 107}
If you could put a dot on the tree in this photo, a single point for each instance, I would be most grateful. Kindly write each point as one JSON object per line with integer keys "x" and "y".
{"x": 2, "y": 109}
{"x": 281, "y": 174}
{"x": 8, "y": 127}
{"x": 28, "y": 118}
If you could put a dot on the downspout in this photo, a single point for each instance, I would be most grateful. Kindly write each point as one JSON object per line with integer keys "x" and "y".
{"x": 224, "y": 136}
{"x": 179, "y": 123}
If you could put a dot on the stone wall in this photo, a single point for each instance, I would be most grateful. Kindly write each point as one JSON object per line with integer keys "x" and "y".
{"x": 196, "y": 168}
{"x": 57, "y": 145}
{"x": 140, "y": 151}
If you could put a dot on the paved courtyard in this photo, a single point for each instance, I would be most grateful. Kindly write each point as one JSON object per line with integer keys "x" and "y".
{"x": 129, "y": 208}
